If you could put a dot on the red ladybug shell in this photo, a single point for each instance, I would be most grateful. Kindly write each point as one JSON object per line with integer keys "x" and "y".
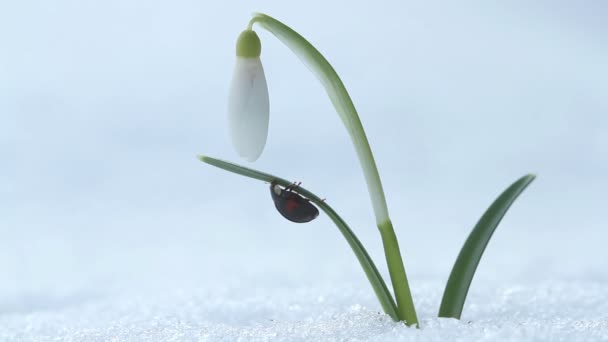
{"x": 292, "y": 206}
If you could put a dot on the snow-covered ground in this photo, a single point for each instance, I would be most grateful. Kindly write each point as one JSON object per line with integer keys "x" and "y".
{"x": 111, "y": 230}
{"x": 552, "y": 311}
{"x": 196, "y": 282}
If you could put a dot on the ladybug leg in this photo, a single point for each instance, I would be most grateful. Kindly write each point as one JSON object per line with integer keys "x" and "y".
{"x": 293, "y": 186}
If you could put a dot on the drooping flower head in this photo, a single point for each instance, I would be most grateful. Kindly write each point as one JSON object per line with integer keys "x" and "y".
{"x": 248, "y": 104}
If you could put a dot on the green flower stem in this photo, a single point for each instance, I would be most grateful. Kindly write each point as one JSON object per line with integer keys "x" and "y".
{"x": 348, "y": 114}
{"x": 405, "y": 303}
{"x": 374, "y": 277}
{"x": 341, "y": 100}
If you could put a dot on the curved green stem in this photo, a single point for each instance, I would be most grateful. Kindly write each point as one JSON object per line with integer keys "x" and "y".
{"x": 348, "y": 114}
{"x": 341, "y": 100}
{"x": 374, "y": 277}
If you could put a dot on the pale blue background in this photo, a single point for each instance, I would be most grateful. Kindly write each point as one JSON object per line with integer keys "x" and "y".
{"x": 104, "y": 106}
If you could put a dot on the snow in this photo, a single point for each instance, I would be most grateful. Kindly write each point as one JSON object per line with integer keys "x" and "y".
{"x": 293, "y": 283}
{"x": 547, "y": 312}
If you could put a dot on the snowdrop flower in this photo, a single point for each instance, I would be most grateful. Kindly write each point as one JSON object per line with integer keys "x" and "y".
{"x": 248, "y": 105}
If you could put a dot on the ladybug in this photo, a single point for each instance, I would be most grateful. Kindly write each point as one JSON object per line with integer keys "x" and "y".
{"x": 291, "y": 205}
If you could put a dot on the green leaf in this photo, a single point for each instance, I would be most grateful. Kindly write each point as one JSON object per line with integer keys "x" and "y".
{"x": 464, "y": 269}
{"x": 374, "y": 277}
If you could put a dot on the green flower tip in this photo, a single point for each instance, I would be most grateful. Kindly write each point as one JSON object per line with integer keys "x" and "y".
{"x": 248, "y": 45}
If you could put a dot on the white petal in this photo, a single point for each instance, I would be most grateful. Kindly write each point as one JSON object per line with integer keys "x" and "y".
{"x": 248, "y": 108}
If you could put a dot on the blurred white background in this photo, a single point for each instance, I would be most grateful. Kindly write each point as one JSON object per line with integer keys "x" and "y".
{"x": 104, "y": 106}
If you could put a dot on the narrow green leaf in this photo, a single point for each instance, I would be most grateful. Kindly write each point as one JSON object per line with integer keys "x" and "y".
{"x": 384, "y": 296}
{"x": 464, "y": 269}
